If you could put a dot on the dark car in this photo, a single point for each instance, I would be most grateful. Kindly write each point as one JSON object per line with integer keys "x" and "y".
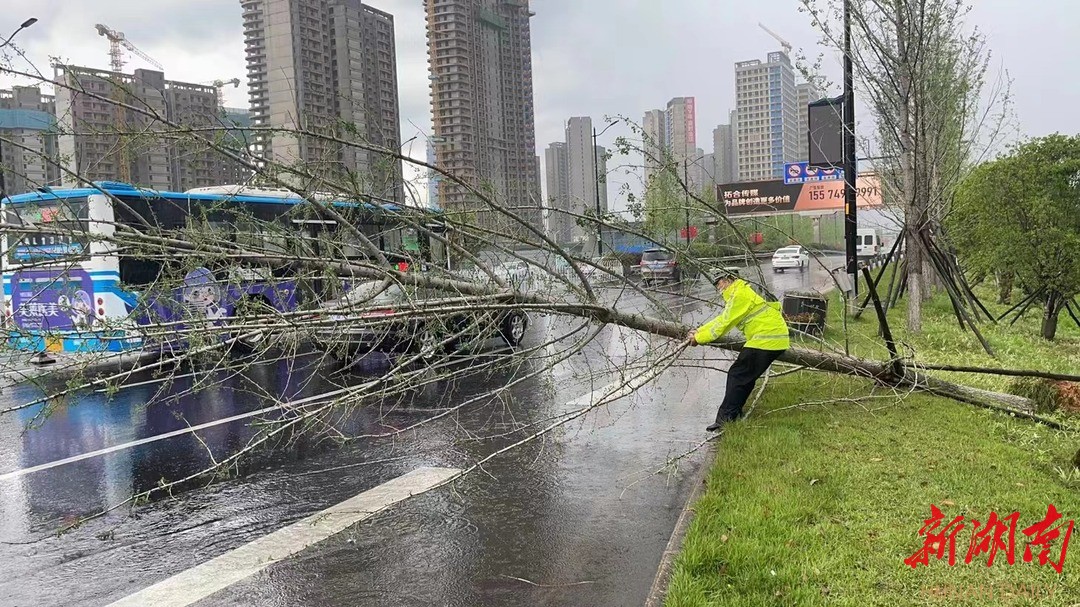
{"x": 659, "y": 264}
{"x": 375, "y": 316}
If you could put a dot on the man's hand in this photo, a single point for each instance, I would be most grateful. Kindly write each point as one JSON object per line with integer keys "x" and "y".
{"x": 690, "y": 338}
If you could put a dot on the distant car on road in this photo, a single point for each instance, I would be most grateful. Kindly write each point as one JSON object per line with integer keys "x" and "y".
{"x": 659, "y": 264}
{"x": 867, "y": 243}
{"x": 369, "y": 317}
{"x": 790, "y": 258}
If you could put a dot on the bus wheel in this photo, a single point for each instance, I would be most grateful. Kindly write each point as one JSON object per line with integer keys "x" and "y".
{"x": 250, "y": 342}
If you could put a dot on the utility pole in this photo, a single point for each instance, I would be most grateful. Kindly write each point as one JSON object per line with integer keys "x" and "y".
{"x": 851, "y": 225}
{"x": 7, "y": 41}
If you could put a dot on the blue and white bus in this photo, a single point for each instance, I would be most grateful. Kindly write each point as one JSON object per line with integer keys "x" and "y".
{"x": 70, "y": 285}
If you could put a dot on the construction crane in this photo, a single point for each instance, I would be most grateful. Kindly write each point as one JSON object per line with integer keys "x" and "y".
{"x": 220, "y": 86}
{"x": 117, "y": 41}
{"x": 783, "y": 43}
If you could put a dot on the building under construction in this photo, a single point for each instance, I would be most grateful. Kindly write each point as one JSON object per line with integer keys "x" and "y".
{"x": 480, "y": 56}
{"x": 323, "y": 74}
{"x": 117, "y": 126}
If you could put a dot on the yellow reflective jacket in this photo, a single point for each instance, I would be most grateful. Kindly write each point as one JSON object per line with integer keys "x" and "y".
{"x": 760, "y": 320}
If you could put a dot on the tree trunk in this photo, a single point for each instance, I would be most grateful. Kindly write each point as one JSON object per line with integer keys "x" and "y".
{"x": 1054, "y": 304}
{"x": 914, "y": 284}
{"x": 1005, "y": 287}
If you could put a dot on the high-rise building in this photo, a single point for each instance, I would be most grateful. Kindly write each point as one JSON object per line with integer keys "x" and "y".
{"x": 325, "y": 68}
{"x": 479, "y": 53}
{"x": 670, "y": 139}
{"x": 557, "y": 175}
{"x": 654, "y": 144}
{"x": 708, "y": 172}
{"x": 725, "y": 152}
{"x": 101, "y": 139}
{"x": 805, "y": 92}
{"x": 681, "y": 124}
{"x": 27, "y": 118}
{"x": 576, "y": 181}
{"x": 767, "y": 122}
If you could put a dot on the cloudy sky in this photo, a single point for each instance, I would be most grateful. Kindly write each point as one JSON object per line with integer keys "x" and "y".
{"x": 590, "y": 57}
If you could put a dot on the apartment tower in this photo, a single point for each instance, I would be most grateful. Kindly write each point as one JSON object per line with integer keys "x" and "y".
{"x": 99, "y": 139}
{"x": 27, "y": 118}
{"x": 325, "y": 70}
{"x": 480, "y": 58}
{"x": 767, "y": 120}
{"x": 805, "y": 93}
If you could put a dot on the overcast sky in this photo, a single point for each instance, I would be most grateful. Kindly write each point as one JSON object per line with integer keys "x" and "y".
{"x": 590, "y": 57}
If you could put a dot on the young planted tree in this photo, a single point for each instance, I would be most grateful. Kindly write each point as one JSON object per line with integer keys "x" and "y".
{"x": 921, "y": 75}
{"x": 1022, "y": 212}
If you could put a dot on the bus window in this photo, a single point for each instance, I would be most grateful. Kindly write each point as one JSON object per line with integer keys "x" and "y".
{"x": 64, "y": 230}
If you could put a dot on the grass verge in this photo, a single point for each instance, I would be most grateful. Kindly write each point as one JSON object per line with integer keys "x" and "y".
{"x": 817, "y": 499}
{"x": 819, "y": 504}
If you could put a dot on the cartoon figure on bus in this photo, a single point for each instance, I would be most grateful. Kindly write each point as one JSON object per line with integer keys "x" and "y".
{"x": 82, "y": 310}
{"x": 203, "y": 295}
{"x": 78, "y": 308}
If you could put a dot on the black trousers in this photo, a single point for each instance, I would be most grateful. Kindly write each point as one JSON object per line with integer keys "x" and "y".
{"x": 743, "y": 374}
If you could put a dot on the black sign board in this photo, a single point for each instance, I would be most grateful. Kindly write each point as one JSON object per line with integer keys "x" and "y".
{"x": 825, "y": 135}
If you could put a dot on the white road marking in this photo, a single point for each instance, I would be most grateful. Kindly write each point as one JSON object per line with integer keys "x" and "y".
{"x": 223, "y": 571}
{"x": 135, "y": 443}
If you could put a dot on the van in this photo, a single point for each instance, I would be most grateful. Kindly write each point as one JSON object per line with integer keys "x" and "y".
{"x": 867, "y": 243}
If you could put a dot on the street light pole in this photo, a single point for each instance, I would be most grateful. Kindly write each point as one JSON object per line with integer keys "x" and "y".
{"x": 686, "y": 196}
{"x": 596, "y": 189}
{"x": 596, "y": 180}
{"x": 3, "y": 172}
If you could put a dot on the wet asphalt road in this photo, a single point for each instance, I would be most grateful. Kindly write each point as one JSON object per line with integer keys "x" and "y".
{"x": 579, "y": 517}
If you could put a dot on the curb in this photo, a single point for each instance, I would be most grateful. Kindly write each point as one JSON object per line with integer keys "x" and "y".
{"x": 658, "y": 591}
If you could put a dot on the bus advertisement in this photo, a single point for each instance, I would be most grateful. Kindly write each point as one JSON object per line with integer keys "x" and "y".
{"x": 70, "y": 287}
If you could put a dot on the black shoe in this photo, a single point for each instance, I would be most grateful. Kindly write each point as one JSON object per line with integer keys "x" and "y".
{"x": 716, "y": 427}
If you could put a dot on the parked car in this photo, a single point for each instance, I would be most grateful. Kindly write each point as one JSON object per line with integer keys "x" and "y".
{"x": 659, "y": 264}
{"x": 369, "y": 318}
{"x": 790, "y": 258}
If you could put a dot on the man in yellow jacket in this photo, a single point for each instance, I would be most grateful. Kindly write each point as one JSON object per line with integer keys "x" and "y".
{"x": 766, "y": 339}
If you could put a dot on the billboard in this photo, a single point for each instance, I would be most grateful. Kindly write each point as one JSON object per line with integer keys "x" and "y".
{"x": 777, "y": 197}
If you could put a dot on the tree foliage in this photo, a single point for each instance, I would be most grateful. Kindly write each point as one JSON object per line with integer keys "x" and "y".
{"x": 920, "y": 73}
{"x": 1021, "y": 212}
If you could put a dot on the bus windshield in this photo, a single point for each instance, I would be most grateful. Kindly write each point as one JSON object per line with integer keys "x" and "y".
{"x": 52, "y": 230}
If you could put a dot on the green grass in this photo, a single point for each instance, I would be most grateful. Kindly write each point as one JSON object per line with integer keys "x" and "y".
{"x": 821, "y": 504}
{"x": 942, "y": 341}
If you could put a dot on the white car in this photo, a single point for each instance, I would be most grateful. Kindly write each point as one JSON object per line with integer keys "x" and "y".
{"x": 790, "y": 258}
{"x": 515, "y": 272}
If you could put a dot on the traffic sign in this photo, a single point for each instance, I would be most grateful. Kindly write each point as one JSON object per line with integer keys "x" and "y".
{"x": 802, "y": 172}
